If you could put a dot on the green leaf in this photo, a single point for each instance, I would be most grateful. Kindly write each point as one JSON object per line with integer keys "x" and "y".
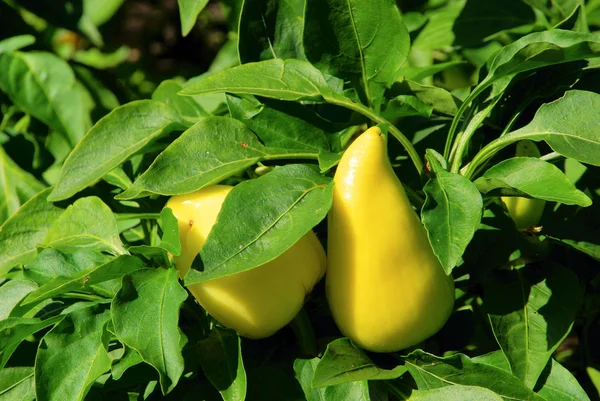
{"x": 531, "y": 313}
{"x": 72, "y": 356}
{"x": 363, "y": 40}
{"x": 305, "y": 369}
{"x": 44, "y": 86}
{"x": 213, "y": 149}
{"x": 494, "y": 358}
{"x": 428, "y": 98}
{"x": 594, "y": 377}
{"x": 568, "y": 125}
{"x": 187, "y": 108}
{"x": 11, "y": 294}
{"x": 129, "y": 359}
{"x": 170, "y": 228}
{"x": 51, "y": 263}
{"x": 533, "y": 177}
{"x": 451, "y": 213}
{"x": 111, "y": 270}
{"x": 221, "y": 357}
{"x": 260, "y": 219}
{"x": 112, "y": 140}
{"x": 18, "y": 186}
{"x": 16, "y": 384}
{"x": 15, "y": 43}
{"x": 556, "y": 383}
{"x": 271, "y": 29}
{"x": 87, "y": 223}
{"x": 343, "y": 362}
{"x": 15, "y": 330}
{"x": 419, "y": 73}
{"x": 431, "y": 372}
{"x": 145, "y": 313}
{"x": 454, "y": 393}
{"x": 278, "y": 79}
{"x": 188, "y": 13}
{"x": 281, "y": 124}
{"x": 23, "y": 231}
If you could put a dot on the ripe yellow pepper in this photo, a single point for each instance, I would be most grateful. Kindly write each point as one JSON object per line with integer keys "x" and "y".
{"x": 525, "y": 212}
{"x": 386, "y": 289}
{"x": 258, "y": 302}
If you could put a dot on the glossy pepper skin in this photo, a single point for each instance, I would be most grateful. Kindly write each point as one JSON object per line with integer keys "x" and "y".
{"x": 525, "y": 212}
{"x": 386, "y": 289}
{"x": 258, "y": 302}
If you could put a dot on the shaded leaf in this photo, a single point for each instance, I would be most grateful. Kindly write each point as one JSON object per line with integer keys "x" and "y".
{"x": 186, "y": 106}
{"x": 11, "y": 294}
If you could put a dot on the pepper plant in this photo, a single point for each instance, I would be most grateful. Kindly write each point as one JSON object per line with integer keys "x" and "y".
{"x": 94, "y": 140}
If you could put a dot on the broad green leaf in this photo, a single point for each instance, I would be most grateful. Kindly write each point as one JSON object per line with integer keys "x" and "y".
{"x": 278, "y": 79}
{"x": 533, "y": 177}
{"x": 213, "y": 149}
{"x": 129, "y": 359}
{"x": 87, "y": 223}
{"x": 260, "y": 219}
{"x": 451, "y": 213}
{"x": 15, "y": 43}
{"x": 187, "y": 108}
{"x": 438, "y": 33}
{"x": 569, "y": 125}
{"x": 271, "y": 29}
{"x": 188, "y": 13}
{"x": 455, "y": 393}
{"x": 343, "y": 362}
{"x": 170, "y": 228}
{"x": 72, "y": 356}
{"x": 555, "y": 383}
{"x": 111, "y": 270}
{"x": 362, "y": 40}
{"x": 221, "y": 358}
{"x": 23, "y": 231}
{"x": 281, "y": 124}
{"x": 305, "y": 369}
{"x": 44, "y": 86}
{"x": 537, "y": 50}
{"x": 431, "y": 372}
{"x": 419, "y": 73}
{"x": 145, "y": 313}
{"x": 51, "y": 264}
{"x": 18, "y": 186}
{"x": 16, "y": 384}
{"x": 111, "y": 141}
{"x": 432, "y": 97}
{"x": 11, "y": 293}
{"x": 531, "y": 313}
{"x": 15, "y": 330}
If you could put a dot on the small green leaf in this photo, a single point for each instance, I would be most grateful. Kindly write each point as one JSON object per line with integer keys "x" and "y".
{"x": 305, "y": 369}
{"x": 533, "y": 177}
{"x": 23, "y": 231}
{"x": 260, "y": 219}
{"x": 454, "y": 393}
{"x": 145, "y": 313}
{"x": 343, "y": 362}
{"x": 15, "y": 43}
{"x": 111, "y": 270}
{"x": 531, "y": 313}
{"x": 87, "y": 223}
{"x": 72, "y": 356}
{"x": 221, "y": 357}
{"x": 170, "y": 228}
{"x": 129, "y": 359}
{"x": 188, "y": 13}
{"x": 451, "y": 213}
{"x": 44, "y": 86}
{"x": 187, "y": 108}
{"x": 431, "y": 372}
{"x": 11, "y": 293}
{"x": 112, "y": 140}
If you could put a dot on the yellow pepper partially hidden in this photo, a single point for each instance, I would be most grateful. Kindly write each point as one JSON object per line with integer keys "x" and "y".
{"x": 386, "y": 289}
{"x": 525, "y": 212}
{"x": 258, "y": 302}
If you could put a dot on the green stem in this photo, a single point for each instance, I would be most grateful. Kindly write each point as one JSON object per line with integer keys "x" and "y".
{"x": 365, "y": 111}
{"x": 551, "y": 156}
{"x": 87, "y": 297}
{"x": 486, "y": 154}
{"x": 414, "y": 197}
{"x": 304, "y": 333}
{"x": 131, "y": 216}
{"x": 298, "y": 155}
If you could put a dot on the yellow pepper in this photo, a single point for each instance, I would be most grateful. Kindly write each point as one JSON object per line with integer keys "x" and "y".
{"x": 258, "y": 302}
{"x": 386, "y": 288}
{"x": 525, "y": 212}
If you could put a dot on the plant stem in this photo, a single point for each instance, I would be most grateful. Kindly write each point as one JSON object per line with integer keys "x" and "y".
{"x": 367, "y": 112}
{"x": 304, "y": 333}
{"x": 298, "y": 155}
{"x": 486, "y": 154}
{"x": 130, "y": 216}
{"x": 551, "y": 156}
